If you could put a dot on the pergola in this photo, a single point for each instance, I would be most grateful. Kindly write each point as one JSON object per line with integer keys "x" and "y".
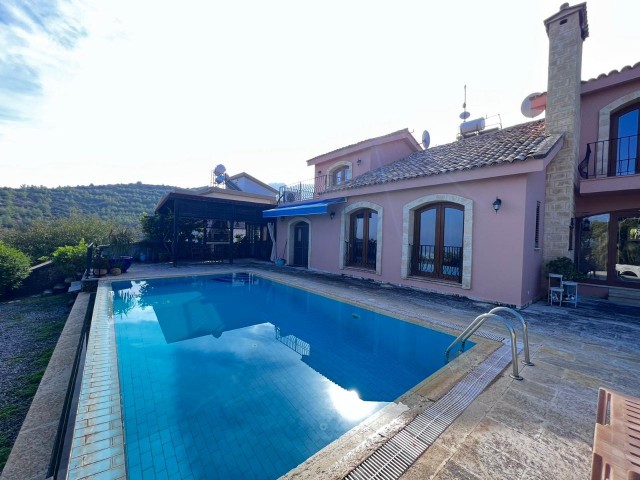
{"x": 220, "y": 215}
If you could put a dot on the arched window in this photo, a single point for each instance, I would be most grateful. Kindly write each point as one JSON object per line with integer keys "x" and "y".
{"x": 362, "y": 245}
{"x": 340, "y": 175}
{"x": 438, "y": 241}
{"x": 625, "y": 128}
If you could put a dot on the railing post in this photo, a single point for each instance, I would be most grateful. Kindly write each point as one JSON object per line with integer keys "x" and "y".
{"x": 475, "y": 325}
{"x": 525, "y": 331}
{"x": 89, "y": 263}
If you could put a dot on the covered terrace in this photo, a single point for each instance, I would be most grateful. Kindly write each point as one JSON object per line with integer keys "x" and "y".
{"x": 217, "y": 228}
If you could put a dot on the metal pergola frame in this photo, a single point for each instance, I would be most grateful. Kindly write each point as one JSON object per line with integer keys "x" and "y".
{"x": 184, "y": 205}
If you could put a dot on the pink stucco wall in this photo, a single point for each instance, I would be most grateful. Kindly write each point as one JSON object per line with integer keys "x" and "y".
{"x": 505, "y": 266}
{"x": 389, "y": 152}
{"x": 593, "y": 205}
{"x": 370, "y": 158}
{"x": 612, "y": 193}
{"x": 595, "y": 96}
{"x": 532, "y": 262}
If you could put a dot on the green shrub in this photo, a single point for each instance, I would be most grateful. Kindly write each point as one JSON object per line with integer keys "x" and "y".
{"x": 14, "y": 268}
{"x": 40, "y": 238}
{"x": 564, "y": 266}
{"x": 71, "y": 259}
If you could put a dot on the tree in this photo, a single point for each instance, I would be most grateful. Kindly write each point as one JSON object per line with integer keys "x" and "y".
{"x": 71, "y": 259}
{"x": 40, "y": 239}
{"x": 14, "y": 268}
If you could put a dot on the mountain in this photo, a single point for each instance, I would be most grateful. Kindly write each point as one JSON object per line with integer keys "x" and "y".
{"x": 122, "y": 202}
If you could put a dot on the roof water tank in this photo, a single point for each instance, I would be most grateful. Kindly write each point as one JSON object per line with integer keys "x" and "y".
{"x": 472, "y": 126}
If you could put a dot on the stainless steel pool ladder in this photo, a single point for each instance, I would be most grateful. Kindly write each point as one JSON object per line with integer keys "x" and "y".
{"x": 477, "y": 323}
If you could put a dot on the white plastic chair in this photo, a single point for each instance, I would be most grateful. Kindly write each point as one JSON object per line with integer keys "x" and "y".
{"x": 556, "y": 290}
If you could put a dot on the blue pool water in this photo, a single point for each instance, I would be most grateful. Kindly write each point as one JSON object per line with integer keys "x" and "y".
{"x": 236, "y": 376}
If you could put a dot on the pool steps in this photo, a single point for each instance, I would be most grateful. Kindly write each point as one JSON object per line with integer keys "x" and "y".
{"x": 477, "y": 323}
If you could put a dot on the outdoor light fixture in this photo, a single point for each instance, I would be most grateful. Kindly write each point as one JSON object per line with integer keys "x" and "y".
{"x": 572, "y": 225}
{"x": 331, "y": 215}
{"x": 497, "y": 204}
{"x": 359, "y": 161}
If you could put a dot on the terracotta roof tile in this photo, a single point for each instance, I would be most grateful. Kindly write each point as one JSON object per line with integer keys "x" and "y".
{"x": 508, "y": 145}
{"x": 612, "y": 72}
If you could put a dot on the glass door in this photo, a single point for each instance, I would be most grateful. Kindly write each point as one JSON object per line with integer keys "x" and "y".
{"x": 628, "y": 249}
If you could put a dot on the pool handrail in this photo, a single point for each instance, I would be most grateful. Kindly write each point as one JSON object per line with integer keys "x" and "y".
{"x": 525, "y": 332}
{"x": 475, "y": 325}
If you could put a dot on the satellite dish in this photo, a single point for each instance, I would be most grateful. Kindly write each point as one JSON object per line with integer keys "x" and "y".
{"x": 530, "y": 108}
{"x": 464, "y": 115}
{"x": 426, "y": 139}
{"x": 219, "y": 170}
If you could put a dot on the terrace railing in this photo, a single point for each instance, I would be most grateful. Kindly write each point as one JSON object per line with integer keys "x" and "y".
{"x": 89, "y": 264}
{"x": 447, "y": 264}
{"x": 304, "y": 190}
{"x": 614, "y": 157}
{"x": 355, "y": 256}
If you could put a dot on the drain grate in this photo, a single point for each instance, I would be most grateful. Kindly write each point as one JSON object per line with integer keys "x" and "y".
{"x": 393, "y": 458}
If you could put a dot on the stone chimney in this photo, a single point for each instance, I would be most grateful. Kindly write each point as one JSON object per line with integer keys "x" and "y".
{"x": 567, "y": 29}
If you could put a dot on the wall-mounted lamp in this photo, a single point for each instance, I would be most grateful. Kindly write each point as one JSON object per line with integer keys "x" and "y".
{"x": 572, "y": 225}
{"x": 359, "y": 161}
{"x": 319, "y": 172}
{"x": 586, "y": 224}
{"x": 331, "y": 215}
{"x": 497, "y": 204}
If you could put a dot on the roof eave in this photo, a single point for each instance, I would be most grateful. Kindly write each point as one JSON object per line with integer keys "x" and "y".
{"x": 403, "y": 135}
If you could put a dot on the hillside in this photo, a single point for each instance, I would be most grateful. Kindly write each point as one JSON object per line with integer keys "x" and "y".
{"x": 123, "y": 202}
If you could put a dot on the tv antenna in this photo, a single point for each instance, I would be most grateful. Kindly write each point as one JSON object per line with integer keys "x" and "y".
{"x": 464, "y": 115}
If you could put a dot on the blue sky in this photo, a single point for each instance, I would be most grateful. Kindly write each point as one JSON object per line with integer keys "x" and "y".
{"x": 161, "y": 91}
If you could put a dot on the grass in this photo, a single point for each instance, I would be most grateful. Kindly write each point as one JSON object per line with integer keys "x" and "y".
{"x": 8, "y": 411}
{"x": 5, "y": 449}
{"x": 42, "y": 360}
{"x": 30, "y": 382}
{"x": 40, "y": 320}
{"x": 47, "y": 330}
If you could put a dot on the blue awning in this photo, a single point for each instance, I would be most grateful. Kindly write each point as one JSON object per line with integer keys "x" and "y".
{"x": 308, "y": 208}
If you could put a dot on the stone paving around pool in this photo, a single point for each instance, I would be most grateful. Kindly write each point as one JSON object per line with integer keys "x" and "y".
{"x": 541, "y": 427}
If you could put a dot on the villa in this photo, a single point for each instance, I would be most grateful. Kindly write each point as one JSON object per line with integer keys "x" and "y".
{"x": 449, "y": 218}
{"x": 226, "y": 364}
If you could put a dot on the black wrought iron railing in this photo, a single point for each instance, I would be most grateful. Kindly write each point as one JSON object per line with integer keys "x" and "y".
{"x": 304, "y": 190}
{"x": 58, "y": 462}
{"x": 356, "y": 255}
{"x": 614, "y": 157}
{"x": 89, "y": 264}
{"x": 443, "y": 262}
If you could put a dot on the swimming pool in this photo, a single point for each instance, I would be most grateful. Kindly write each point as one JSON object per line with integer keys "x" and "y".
{"x": 236, "y": 376}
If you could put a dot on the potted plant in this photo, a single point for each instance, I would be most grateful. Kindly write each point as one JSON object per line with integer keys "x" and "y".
{"x": 100, "y": 266}
{"x": 115, "y": 266}
{"x": 119, "y": 248}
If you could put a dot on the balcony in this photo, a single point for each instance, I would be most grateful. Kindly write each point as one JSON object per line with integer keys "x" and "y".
{"x": 305, "y": 190}
{"x": 610, "y": 165}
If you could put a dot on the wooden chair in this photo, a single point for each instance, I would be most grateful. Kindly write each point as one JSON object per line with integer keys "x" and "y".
{"x": 616, "y": 441}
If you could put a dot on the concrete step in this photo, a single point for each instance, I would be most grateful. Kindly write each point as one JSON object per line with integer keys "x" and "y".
{"x": 624, "y": 296}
